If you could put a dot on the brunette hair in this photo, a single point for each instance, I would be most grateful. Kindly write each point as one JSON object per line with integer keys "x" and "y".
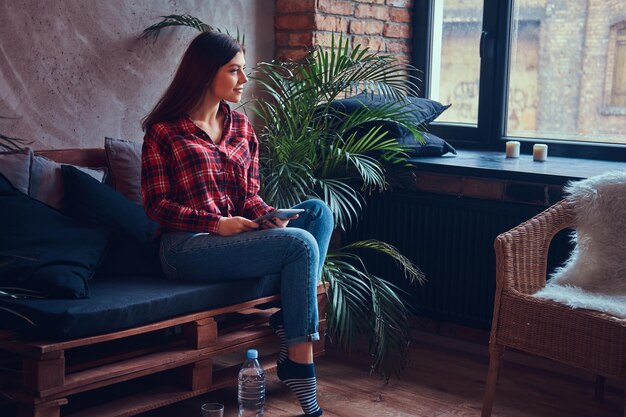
{"x": 205, "y": 55}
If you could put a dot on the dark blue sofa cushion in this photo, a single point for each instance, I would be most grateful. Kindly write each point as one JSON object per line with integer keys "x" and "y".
{"x": 122, "y": 303}
{"x": 130, "y": 258}
{"x": 43, "y": 250}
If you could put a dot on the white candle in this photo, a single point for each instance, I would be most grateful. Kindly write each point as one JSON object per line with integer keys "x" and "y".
{"x": 512, "y": 149}
{"x": 540, "y": 152}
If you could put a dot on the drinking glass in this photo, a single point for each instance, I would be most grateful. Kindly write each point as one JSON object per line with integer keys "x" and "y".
{"x": 212, "y": 410}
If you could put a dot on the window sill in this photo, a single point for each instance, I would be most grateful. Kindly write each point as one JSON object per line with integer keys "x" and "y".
{"x": 491, "y": 164}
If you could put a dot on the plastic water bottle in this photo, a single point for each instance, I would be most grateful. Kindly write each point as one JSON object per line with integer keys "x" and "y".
{"x": 251, "y": 392}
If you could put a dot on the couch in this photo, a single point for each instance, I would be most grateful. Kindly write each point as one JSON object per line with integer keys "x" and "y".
{"x": 110, "y": 323}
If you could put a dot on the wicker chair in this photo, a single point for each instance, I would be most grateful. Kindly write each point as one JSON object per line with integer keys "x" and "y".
{"x": 582, "y": 338}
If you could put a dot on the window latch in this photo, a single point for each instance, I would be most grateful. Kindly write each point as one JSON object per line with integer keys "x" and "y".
{"x": 486, "y": 45}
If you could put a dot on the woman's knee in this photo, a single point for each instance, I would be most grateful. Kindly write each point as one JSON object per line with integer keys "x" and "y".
{"x": 317, "y": 209}
{"x": 303, "y": 243}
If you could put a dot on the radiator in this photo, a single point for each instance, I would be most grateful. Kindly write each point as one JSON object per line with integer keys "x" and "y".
{"x": 451, "y": 240}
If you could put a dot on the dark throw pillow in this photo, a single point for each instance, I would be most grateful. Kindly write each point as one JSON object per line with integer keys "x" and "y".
{"x": 43, "y": 250}
{"x": 124, "y": 160}
{"x": 93, "y": 201}
{"x": 433, "y": 145}
{"x": 132, "y": 252}
{"x": 420, "y": 112}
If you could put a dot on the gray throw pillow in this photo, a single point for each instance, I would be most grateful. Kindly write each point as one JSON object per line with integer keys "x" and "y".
{"x": 15, "y": 166}
{"x": 46, "y": 180}
{"x": 124, "y": 160}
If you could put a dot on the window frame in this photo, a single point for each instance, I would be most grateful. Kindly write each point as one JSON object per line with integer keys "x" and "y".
{"x": 489, "y": 133}
{"x": 617, "y": 44}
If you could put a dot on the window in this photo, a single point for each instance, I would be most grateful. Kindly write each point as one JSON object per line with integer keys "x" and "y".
{"x": 455, "y": 68}
{"x": 618, "y": 58}
{"x": 533, "y": 70}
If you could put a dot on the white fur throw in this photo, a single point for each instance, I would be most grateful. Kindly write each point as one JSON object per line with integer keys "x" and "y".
{"x": 575, "y": 297}
{"x": 597, "y": 265}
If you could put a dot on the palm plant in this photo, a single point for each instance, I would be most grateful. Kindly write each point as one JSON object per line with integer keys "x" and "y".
{"x": 311, "y": 149}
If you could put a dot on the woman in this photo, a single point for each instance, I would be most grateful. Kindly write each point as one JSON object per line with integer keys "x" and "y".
{"x": 200, "y": 183}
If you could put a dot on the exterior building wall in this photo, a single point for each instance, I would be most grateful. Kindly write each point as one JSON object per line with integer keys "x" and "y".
{"x": 598, "y": 64}
{"x": 560, "y": 65}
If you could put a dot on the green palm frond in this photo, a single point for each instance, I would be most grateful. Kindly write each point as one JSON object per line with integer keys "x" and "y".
{"x": 11, "y": 142}
{"x": 21, "y": 316}
{"x": 411, "y": 272}
{"x": 186, "y": 20}
{"x": 365, "y": 306}
{"x": 284, "y": 194}
{"x": 175, "y": 20}
{"x": 17, "y": 292}
{"x": 341, "y": 70}
{"x": 350, "y": 300}
{"x": 343, "y": 200}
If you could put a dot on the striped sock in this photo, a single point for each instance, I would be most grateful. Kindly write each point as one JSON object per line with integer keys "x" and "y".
{"x": 276, "y": 323}
{"x": 300, "y": 378}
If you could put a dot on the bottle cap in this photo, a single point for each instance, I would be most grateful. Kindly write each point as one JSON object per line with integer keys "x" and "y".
{"x": 252, "y": 354}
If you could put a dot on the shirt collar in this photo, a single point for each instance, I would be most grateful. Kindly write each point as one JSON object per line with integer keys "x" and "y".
{"x": 225, "y": 108}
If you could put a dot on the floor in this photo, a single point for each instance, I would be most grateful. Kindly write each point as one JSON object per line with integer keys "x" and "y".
{"x": 442, "y": 381}
{"x": 445, "y": 378}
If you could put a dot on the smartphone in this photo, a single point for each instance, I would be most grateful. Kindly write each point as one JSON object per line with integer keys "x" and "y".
{"x": 283, "y": 214}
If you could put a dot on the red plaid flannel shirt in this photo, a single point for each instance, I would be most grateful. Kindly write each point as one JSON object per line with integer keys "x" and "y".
{"x": 188, "y": 182}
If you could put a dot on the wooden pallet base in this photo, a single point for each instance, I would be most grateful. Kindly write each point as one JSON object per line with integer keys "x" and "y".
{"x": 167, "y": 362}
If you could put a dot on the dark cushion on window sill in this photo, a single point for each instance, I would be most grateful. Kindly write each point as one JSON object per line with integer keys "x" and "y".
{"x": 420, "y": 112}
{"x": 433, "y": 146}
{"x": 43, "y": 250}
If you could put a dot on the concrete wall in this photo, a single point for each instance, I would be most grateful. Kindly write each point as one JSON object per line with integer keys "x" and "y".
{"x": 73, "y": 72}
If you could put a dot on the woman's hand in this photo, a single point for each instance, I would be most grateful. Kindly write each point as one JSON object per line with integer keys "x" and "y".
{"x": 229, "y": 226}
{"x": 276, "y": 222}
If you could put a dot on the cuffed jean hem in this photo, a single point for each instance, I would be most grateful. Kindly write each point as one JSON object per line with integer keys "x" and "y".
{"x": 303, "y": 339}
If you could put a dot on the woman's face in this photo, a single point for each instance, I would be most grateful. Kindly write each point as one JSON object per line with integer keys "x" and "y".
{"x": 229, "y": 80}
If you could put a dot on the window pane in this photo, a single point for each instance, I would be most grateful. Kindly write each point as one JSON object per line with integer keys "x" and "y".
{"x": 618, "y": 89}
{"x": 563, "y": 74}
{"x": 455, "y": 68}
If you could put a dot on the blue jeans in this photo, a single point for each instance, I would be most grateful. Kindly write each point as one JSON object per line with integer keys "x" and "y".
{"x": 296, "y": 252}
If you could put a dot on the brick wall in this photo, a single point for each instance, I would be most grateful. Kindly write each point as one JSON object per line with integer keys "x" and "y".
{"x": 381, "y": 25}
